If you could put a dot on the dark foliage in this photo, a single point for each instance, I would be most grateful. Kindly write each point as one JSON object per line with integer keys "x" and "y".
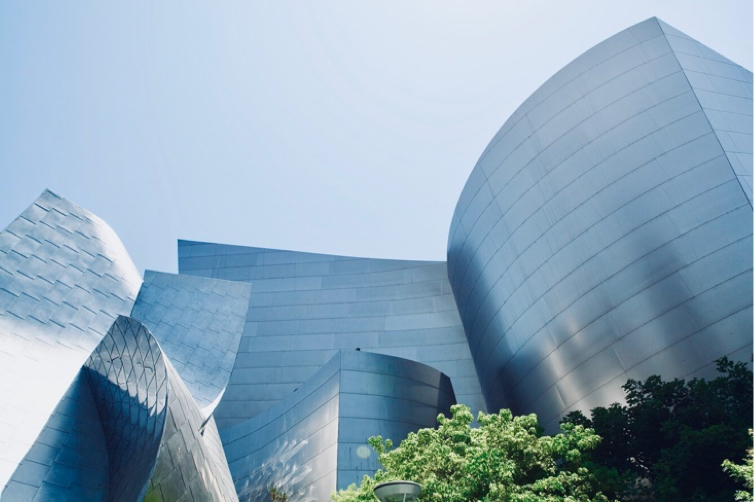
{"x": 668, "y": 442}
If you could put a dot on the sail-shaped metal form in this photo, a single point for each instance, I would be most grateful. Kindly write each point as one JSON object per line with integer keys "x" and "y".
{"x": 606, "y": 231}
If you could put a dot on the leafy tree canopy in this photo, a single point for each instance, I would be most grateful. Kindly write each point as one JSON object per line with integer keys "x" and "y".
{"x": 744, "y": 473}
{"x": 669, "y": 440}
{"x": 504, "y": 459}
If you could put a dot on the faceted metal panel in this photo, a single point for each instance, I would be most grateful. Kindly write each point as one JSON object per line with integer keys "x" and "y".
{"x": 604, "y": 233}
{"x": 388, "y": 396}
{"x": 198, "y": 323}
{"x": 315, "y": 440}
{"x": 190, "y": 466}
{"x": 69, "y": 460}
{"x": 64, "y": 277}
{"x": 305, "y": 307}
{"x": 724, "y": 91}
{"x": 129, "y": 381}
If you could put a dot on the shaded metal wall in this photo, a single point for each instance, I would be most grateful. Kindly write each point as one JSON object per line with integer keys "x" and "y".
{"x": 315, "y": 440}
{"x": 305, "y": 307}
{"x": 604, "y": 234}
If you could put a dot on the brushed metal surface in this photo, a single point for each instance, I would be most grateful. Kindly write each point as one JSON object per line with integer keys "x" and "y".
{"x": 64, "y": 278}
{"x": 605, "y": 232}
{"x": 315, "y": 440}
{"x": 305, "y": 307}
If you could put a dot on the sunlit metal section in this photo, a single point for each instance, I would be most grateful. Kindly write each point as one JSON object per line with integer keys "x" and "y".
{"x": 191, "y": 464}
{"x": 198, "y": 323}
{"x": 127, "y": 429}
{"x": 305, "y": 307}
{"x": 606, "y": 231}
{"x": 315, "y": 440}
{"x": 64, "y": 278}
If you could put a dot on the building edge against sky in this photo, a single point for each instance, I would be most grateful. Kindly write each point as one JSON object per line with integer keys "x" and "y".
{"x": 605, "y": 233}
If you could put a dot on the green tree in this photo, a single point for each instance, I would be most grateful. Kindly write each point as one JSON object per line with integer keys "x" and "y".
{"x": 277, "y": 495}
{"x": 743, "y": 473}
{"x": 503, "y": 459}
{"x": 668, "y": 442}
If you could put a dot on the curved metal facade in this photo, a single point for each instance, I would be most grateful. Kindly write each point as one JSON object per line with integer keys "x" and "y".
{"x": 128, "y": 377}
{"x": 305, "y": 307}
{"x": 127, "y": 430}
{"x": 198, "y": 323}
{"x": 606, "y": 232}
{"x": 315, "y": 440}
{"x": 189, "y": 465}
{"x": 64, "y": 277}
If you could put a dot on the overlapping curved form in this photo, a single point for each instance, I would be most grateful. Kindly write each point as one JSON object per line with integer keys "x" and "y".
{"x": 129, "y": 381}
{"x": 101, "y": 442}
{"x": 198, "y": 323}
{"x": 315, "y": 440}
{"x": 305, "y": 307}
{"x": 127, "y": 430}
{"x": 606, "y": 231}
{"x": 191, "y": 464}
{"x": 64, "y": 277}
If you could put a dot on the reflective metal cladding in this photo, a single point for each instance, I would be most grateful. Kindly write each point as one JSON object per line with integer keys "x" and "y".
{"x": 198, "y": 323}
{"x": 64, "y": 278}
{"x": 605, "y": 234}
{"x": 316, "y": 438}
{"x": 606, "y": 231}
{"x": 306, "y": 306}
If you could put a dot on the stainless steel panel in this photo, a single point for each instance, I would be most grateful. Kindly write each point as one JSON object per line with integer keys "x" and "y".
{"x": 567, "y": 276}
{"x": 398, "y": 307}
{"x": 315, "y": 440}
{"x": 64, "y": 277}
{"x": 198, "y": 323}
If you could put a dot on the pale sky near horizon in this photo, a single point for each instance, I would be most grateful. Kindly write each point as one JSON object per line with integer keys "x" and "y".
{"x": 338, "y": 127}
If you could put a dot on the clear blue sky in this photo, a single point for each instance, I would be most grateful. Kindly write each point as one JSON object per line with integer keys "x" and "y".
{"x": 329, "y": 126}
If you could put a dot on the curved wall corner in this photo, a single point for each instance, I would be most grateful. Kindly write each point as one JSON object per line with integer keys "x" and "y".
{"x": 315, "y": 440}
{"x": 64, "y": 278}
{"x": 305, "y": 307}
{"x": 191, "y": 464}
{"x": 198, "y": 323}
{"x": 160, "y": 446}
{"x": 127, "y": 430}
{"x": 606, "y": 231}
{"x": 101, "y": 441}
{"x": 129, "y": 382}
{"x": 69, "y": 459}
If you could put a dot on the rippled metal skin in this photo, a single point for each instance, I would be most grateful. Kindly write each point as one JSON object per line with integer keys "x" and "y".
{"x": 198, "y": 323}
{"x": 315, "y": 440}
{"x": 64, "y": 278}
{"x": 191, "y": 464}
{"x": 101, "y": 441}
{"x": 606, "y": 231}
{"x": 305, "y": 307}
{"x": 128, "y": 376}
{"x": 127, "y": 430}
